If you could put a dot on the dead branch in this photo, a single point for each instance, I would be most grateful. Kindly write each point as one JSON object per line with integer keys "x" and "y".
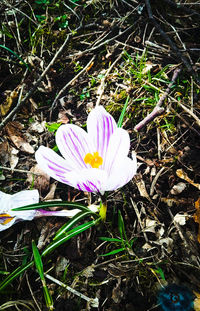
{"x": 158, "y": 110}
{"x": 173, "y": 46}
{"x": 32, "y": 90}
{"x": 69, "y": 83}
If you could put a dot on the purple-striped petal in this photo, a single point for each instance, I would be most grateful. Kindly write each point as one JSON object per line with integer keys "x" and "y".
{"x": 53, "y": 165}
{"x": 90, "y": 180}
{"x": 118, "y": 147}
{"x": 100, "y": 127}
{"x": 73, "y": 143}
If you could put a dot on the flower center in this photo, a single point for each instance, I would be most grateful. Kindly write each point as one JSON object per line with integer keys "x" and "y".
{"x": 5, "y": 219}
{"x": 93, "y": 159}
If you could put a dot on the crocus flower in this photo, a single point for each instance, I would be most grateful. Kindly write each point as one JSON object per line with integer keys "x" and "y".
{"x": 9, "y": 216}
{"x": 8, "y": 202}
{"x": 92, "y": 161}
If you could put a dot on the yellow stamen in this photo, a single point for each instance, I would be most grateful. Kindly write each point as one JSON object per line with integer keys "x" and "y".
{"x": 7, "y": 220}
{"x": 93, "y": 159}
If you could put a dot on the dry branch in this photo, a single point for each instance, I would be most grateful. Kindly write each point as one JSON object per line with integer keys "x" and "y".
{"x": 158, "y": 110}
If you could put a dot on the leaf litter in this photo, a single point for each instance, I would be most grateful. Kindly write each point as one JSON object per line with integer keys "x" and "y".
{"x": 164, "y": 225}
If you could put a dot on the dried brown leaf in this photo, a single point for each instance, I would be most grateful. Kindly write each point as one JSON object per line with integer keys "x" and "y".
{"x": 40, "y": 180}
{"x": 13, "y": 158}
{"x": 62, "y": 117}
{"x": 51, "y": 194}
{"x": 14, "y": 131}
{"x": 4, "y": 152}
{"x": 7, "y": 104}
{"x": 197, "y": 217}
{"x": 181, "y": 174}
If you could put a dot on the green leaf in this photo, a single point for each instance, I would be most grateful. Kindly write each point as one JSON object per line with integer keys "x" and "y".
{"x": 76, "y": 218}
{"x": 15, "y": 274}
{"x": 39, "y": 266}
{"x": 121, "y": 118}
{"x": 67, "y": 236}
{"x": 160, "y": 271}
{"x": 38, "y": 260}
{"x": 52, "y": 127}
{"x": 70, "y": 205}
{"x": 102, "y": 238}
{"x": 121, "y": 227}
{"x": 116, "y": 251}
{"x": 52, "y": 246}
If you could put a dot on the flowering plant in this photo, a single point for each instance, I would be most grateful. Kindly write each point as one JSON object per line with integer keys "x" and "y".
{"x": 92, "y": 161}
{"x": 24, "y": 205}
{"x": 8, "y": 217}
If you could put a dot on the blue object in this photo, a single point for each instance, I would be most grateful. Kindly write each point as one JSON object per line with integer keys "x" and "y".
{"x": 175, "y": 298}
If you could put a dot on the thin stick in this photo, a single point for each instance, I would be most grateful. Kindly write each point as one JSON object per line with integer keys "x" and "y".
{"x": 17, "y": 170}
{"x": 170, "y": 42}
{"x": 96, "y": 47}
{"x": 139, "y": 219}
{"x": 102, "y": 85}
{"x": 93, "y": 301}
{"x": 69, "y": 83}
{"x": 28, "y": 95}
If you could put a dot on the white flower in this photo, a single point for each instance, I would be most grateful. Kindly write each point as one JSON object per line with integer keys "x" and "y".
{"x": 19, "y": 199}
{"x": 93, "y": 161}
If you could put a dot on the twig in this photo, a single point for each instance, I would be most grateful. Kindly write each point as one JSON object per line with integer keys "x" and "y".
{"x": 190, "y": 113}
{"x": 21, "y": 12}
{"x": 17, "y": 170}
{"x": 69, "y": 83}
{"x": 158, "y": 110}
{"x": 182, "y": 7}
{"x": 94, "y": 48}
{"x": 137, "y": 49}
{"x": 170, "y": 42}
{"x": 93, "y": 301}
{"x": 102, "y": 85}
{"x": 155, "y": 181}
{"x": 28, "y": 95}
{"x": 139, "y": 219}
{"x": 184, "y": 121}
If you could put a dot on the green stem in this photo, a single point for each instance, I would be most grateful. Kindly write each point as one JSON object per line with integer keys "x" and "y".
{"x": 103, "y": 208}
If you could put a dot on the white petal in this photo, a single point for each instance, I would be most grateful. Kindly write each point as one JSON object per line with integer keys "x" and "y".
{"x": 100, "y": 127}
{"x": 122, "y": 172}
{"x": 118, "y": 147}
{"x": 19, "y": 199}
{"x": 53, "y": 164}
{"x": 73, "y": 143}
{"x": 8, "y": 225}
{"x": 90, "y": 180}
{"x": 23, "y": 198}
{"x": 5, "y": 202}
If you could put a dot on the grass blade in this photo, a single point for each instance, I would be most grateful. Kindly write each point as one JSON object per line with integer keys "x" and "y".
{"x": 76, "y": 218}
{"x": 102, "y": 238}
{"x": 70, "y": 205}
{"x": 39, "y": 267}
{"x": 16, "y": 55}
{"x": 121, "y": 118}
{"x": 14, "y": 275}
{"x": 67, "y": 236}
{"x": 116, "y": 251}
